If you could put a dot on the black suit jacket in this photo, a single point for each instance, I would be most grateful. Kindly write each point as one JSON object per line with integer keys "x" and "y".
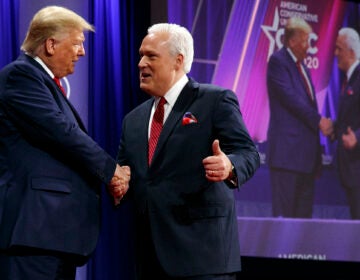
{"x": 349, "y": 116}
{"x": 193, "y": 221}
{"x": 50, "y": 169}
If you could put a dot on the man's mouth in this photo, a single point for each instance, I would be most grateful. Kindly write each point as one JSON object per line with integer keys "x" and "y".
{"x": 143, "y": 76}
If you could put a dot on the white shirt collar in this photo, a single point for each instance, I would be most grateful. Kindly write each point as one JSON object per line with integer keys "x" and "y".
{"x": 292, "y": 54}
{"x": 39, "y": 60}
{"x": 171, "y": 97}
{"x": 173, "y": 93}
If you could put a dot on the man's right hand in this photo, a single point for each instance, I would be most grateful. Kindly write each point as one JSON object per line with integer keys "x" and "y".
{"x": 326, "y": 126}
{"x": 119, "y": 184}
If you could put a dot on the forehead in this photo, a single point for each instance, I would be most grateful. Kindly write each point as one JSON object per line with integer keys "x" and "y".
{"x": 71, "y": 34}
{"x": 155, "y": 41}
{"x": 77, "y": 34}
{"x": 341, "y": 41}
{"x": 303, "y": 33}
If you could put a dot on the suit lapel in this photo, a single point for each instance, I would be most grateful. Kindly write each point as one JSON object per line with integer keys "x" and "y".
{"x": 185, "y": 99}
{"x": 59, "y": 98}
{"x": 143, "y": 130}
{"x": 297, "y": 74}
{"x": 294, "y": 70}
{"x": 348, "y": 89}
{"x": 77, "y": 116}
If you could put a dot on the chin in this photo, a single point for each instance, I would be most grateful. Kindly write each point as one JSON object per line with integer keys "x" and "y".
{"x": 146, "y": 90}
{"x": 143, "y": 86}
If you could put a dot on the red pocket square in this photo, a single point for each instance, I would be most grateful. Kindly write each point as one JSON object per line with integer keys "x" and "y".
{"x": 188, "y": 118}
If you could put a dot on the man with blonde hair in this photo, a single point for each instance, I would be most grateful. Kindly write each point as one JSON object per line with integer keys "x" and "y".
{"x": 50, "y": 169}
{"x": 294, "y": 150}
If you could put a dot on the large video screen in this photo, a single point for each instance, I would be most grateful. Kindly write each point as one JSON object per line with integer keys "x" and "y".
{"x": 233, "y": 42}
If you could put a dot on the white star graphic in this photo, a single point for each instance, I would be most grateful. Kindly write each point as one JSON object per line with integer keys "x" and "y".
{"x": 269, "y": 29}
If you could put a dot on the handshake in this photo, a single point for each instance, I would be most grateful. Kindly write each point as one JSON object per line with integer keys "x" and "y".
{"x": 119, "y": 183}
{"x": 326, "y": 127}
{"x": 348, "y": 138}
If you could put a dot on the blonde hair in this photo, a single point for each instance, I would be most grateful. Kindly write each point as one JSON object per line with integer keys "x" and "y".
{"x": 52, "y": 21}
{"x": 294, "y": 26}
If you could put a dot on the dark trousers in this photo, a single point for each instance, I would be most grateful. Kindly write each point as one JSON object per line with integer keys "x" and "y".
{"x": 148, "y": 265}
{"x": 35, "y": 264}
{"x": 292, "y": 193}
{"x": 353, "y": 197}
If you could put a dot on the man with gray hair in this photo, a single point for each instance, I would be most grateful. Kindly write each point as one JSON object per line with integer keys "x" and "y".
{"x": 347, "y": 124}
{"x": 50, "y": 169}
{"x": 186, "y": 159}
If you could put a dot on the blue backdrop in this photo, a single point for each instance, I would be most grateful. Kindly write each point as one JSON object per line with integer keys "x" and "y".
{"x": 104, "y": 87}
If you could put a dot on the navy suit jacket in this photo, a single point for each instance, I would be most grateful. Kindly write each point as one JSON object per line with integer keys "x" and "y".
{"x": 50, "y": 169}
{"x": 193, "y": 221}
{"x": 349, "y": 115}
{"x": 293, "y": 132}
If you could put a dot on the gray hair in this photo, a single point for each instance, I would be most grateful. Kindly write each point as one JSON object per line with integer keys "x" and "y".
{"x": 51, "y": 21}
{"x": 352, "y": 39}
{"x": 180, "y": 41}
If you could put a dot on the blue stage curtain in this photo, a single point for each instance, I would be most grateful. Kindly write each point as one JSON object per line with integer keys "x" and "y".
{"x": 114, "y": 91}
{"x": 9, "y": 35}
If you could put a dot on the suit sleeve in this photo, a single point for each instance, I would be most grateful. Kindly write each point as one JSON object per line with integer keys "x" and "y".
{"x": 31, "y": 106}
{"x": 234, "y": 137}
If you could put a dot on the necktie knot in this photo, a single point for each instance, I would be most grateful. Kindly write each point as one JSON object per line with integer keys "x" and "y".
{"x": 160, "y": 107}
{"x": 162, "y": 102}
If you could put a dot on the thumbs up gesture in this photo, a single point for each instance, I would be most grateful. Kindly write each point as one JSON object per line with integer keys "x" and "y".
{"x": 217, "y": 166}
{"x": 349, "y": 139}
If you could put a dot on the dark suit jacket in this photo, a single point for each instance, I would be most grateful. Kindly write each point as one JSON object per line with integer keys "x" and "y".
{"x": 349, "y": 115}
{"x": 193, "y": 221}
{"x": 293, "y": 132}
{"x": 50, "y": 169}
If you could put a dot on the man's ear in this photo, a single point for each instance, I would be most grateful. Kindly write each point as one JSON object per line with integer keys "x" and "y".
{"x": 50, "y": 46}
{"x": 179, "y": 61}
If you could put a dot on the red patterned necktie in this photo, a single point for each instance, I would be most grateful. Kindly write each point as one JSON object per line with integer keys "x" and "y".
{"x": 57, "y": 81}
{"x": 308, "y": 87}
{"x": 156, "y": 127}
